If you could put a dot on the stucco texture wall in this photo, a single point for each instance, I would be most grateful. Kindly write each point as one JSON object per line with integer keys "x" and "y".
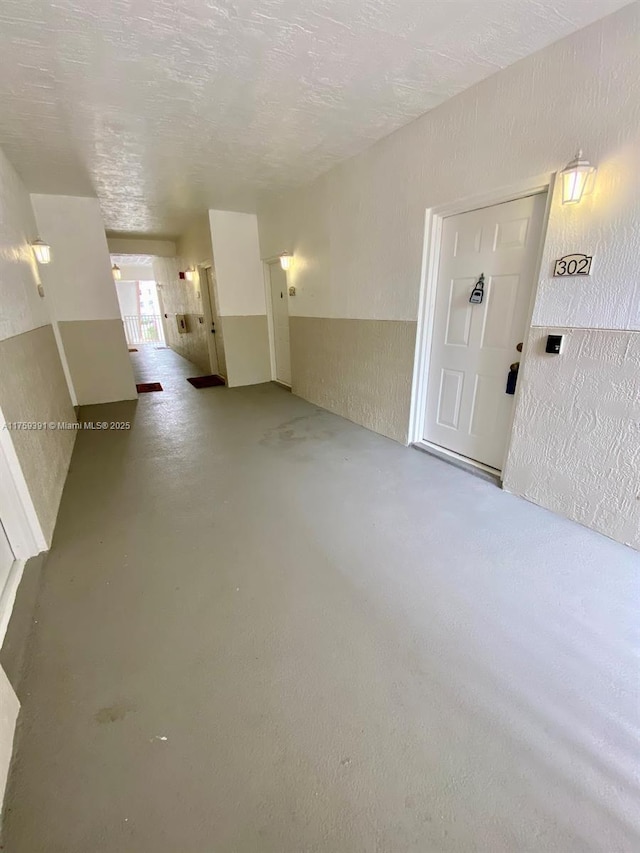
{"x": 82, "y": 294}
{"x": 32, "y": 382}
{"x": 241, "y": 299}
{"x": 576, "y": 436}
{"x": 22, "y": 309}
{"x": 357, "y": 232}
{"x": 179, "y": 296}
{"x": 373, "y": 391}
{"x": 33, "y": 389}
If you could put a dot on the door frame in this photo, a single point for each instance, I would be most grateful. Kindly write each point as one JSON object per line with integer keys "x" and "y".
{"x": 19, "y": 520}
{"x": 266, "y": 272}
{"x": 207, "y": 311}
{"x": 434, "y": 218}
{"x": 18, "y": 513}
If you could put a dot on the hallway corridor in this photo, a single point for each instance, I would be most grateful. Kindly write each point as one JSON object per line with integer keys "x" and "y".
{"x": 264, "y": 629}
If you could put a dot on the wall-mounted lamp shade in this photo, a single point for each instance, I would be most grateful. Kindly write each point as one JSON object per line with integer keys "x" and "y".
{"x": 42, "y": 251}
{"x": 578, "y": 179}
{"x": 189, "y": 274}
{"x": 286, "y": 261}
{"x": 116, "y": 272}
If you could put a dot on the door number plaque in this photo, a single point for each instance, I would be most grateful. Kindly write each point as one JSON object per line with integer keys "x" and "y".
{"x": 573, "y": 265}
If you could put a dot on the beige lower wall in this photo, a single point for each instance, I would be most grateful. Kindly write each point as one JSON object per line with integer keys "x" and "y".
{"x": 360, "y": 369}
{"x": 221, "y": 357}
{"x": 9, "y": 707}
{"x": 33, "y": 389}
{"x": 191, "y": 344}
{"x": 575, "y": 446}
{"x": 180, "y": 296}
{"x": 98, "y": 360}
{"x": 246, "y": 347}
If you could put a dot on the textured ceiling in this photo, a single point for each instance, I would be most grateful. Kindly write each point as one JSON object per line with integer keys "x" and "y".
{"x": 163, "y": 108}
{"x": 132, "y": 260}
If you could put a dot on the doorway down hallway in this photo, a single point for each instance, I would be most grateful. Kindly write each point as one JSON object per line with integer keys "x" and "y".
{"x": 264, "y": 629}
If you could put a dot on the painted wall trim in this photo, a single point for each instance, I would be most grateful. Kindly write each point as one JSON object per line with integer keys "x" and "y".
{"x": 429, "y": 279}
{"x": 64, "y": 362}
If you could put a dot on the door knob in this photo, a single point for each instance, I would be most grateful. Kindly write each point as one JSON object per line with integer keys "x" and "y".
{"x": 519, "y": 346}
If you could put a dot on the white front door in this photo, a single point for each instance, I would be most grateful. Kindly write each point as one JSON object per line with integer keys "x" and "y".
{"x": 280, "y": 313}
{"x": 473, "y": 345}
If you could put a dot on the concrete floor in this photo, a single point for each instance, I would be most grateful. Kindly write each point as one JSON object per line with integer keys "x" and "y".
{"x": 263, "y": 629}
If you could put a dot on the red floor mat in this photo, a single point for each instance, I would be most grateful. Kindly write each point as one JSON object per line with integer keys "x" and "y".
{"x": 206, "y": 381}
{"x": 144, "y": 387}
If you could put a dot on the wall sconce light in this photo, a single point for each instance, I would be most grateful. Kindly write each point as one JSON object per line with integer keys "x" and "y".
{"x": 286, "y": 260}
{"x": 116, "y": 272}
{"x": 190, "y": 274}
{"x": 578, "y": 179}
{"x": 42, "y": 251}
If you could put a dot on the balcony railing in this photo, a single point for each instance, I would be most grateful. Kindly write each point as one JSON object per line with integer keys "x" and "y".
{"x": 143, "y": 329}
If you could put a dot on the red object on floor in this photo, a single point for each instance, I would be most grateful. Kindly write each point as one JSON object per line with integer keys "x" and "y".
{"x": 144, "y": 387}
{"x": 206, "y": 381}
{"x": 132, "y": 349}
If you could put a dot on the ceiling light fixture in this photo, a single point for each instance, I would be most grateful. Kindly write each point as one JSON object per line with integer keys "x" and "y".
{"x": 578, "y": 179}
{"x": 286, "y": 260}
{"x": 42, "y": 251}
{"x": 116, "y": 272}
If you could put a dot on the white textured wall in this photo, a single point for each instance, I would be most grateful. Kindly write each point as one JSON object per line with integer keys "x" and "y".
{"x": 27, "y": 390}
{"x": 21, "y": 308}
{"x": 127, "y": 292}
{"x": 31, "y": 381}
{"x": 179, "y": 296}
{"x": 194, "y": 246}
{"x": 9, "y": 707}
{"x": 240, "y": 288}
{"x": 576, "y": 435}
{"x": 239, "y": 271}
{"x": 80, "y": 288}
{"x": 357, "y": 232}
{"x": 165, "y": 272}
{"x": 606, "y": 225}
{"x": 79, "y": 276}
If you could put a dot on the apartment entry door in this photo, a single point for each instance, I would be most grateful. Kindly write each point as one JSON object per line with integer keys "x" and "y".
{"x": 492, "y": 251}
{"x": 280, "y": 315}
